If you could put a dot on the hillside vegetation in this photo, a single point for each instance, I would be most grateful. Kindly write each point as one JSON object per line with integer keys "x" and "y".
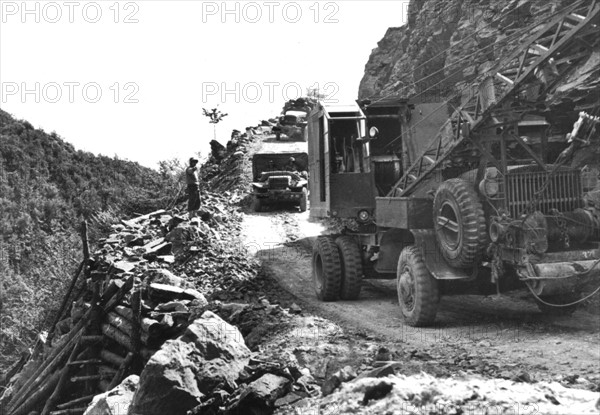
{"x": 47, "y": 188}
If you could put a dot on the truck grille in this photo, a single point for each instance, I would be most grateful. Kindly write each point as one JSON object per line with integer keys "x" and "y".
{"x": 562, "y": 190}
{"x": 279, "y": 182}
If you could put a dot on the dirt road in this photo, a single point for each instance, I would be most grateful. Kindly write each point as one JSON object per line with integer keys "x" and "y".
{"x": 485, "y": 334}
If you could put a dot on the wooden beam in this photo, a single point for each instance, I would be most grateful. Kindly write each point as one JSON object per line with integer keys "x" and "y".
{"x": 64, "y": 303}
{"x": 51, "y": 402}
{"x": 83, "y": 399}
{"x": 119, "y": 375}
{"x": 50, "y": 364}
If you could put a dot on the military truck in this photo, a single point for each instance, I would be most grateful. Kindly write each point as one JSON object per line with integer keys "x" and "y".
{"x": 280, "y": 175}
{"x": 481, "y": 198}
{"x": 292, "y": 124}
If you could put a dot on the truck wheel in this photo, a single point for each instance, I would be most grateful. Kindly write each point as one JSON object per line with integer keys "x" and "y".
{"x": 352, "y": 270}
{"x": 418, "y": 291}
{"x": 327, "y": 270}
{"x": 557, "y": 299}
{"x": 303, "y": 200}
{"x": 257, "y": 204}
{"x": 459, "y": 222}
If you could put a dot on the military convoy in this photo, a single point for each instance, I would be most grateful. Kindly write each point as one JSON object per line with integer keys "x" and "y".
{"x": 477, "y": 198}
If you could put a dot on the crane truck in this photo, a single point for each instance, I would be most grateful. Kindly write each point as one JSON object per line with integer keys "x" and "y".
{"x": 479, "y": 195}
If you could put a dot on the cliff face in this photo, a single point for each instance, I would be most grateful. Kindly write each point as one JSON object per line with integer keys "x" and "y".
{"x": 447, "y": 45}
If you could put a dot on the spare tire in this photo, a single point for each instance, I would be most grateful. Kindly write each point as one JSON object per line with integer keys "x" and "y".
{"x": 459, "y": 223}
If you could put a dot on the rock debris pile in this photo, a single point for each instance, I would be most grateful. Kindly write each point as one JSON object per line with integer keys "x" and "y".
{"x": 140, "y": 332}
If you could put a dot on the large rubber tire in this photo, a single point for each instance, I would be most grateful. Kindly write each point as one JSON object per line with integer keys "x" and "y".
{"x": 557, "y": 299}
{"x": 327, "y": 269}
{"x": 459, "y": 223}
{"x": 418, "y": 291}
{"x": 352, "y": 270}
{"x": 257, "y": 204}
{"x": 303, "y": 200}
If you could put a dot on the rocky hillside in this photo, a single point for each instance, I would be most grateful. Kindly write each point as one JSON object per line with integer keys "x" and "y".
{"x": 46, "y": 188}
{"x": 447, "y": 45}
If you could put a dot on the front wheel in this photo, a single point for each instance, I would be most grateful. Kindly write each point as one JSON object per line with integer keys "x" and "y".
{"x": 418, "y": 291}
{"x": 327, "y": 269}
{"x": 303, "y": 200}
{"x": 257, "y": 204}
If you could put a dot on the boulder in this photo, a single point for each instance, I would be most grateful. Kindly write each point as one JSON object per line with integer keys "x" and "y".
{"x": 181, "y": 235}
{"x": 116, "y": 401}
{"x": 260, "y": 396}
{"x": 163, "y": 276}
{"x": 332, "y": 383}
{"x": 210, "y": 353}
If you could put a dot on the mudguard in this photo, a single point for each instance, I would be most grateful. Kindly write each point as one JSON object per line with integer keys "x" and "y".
{"x": 434, "y": 261}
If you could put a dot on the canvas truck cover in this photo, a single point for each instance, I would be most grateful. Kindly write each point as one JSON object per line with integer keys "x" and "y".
{"x": 275, "y": 157}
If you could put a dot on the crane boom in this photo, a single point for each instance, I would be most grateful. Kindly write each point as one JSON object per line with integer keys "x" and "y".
{"x": 503, "y": 97}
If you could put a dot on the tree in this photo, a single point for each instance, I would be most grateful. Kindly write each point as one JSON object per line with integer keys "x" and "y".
{"x": 216, "y": 116}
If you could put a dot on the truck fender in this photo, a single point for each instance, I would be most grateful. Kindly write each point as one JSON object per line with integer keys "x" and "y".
{"x": 434, "y": 260}
{"x": 391, "y": 244}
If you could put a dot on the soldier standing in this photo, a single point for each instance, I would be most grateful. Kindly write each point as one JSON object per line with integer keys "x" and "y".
{"x": 191, "y": 178}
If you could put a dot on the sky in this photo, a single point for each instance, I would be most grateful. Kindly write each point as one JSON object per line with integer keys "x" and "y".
{"x": 130, "y": 78}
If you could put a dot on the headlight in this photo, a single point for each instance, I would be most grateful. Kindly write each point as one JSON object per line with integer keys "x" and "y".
{"x": 489, "y": 187}
{"x": 364, "y": 216}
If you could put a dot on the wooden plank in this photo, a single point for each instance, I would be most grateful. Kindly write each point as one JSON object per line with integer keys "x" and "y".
{"x": 122, "y": 369}
{"x": 51, "y": 403}
{"x": 134, "y": 221}
{"x": 49, "y": 364}
{"x": 83, "y": 399}
{"x": 45, "y": 389}
{"x": 64, "y": 303}
{"x": 116, "y": 299}
{"x": 112, "y": 358}
{"x": 73, "y": 411}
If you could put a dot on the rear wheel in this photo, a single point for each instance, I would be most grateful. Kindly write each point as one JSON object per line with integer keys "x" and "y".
{"x": 459, "y": 222}
{"x": 352, "y": 270}
{"x": 327, "y": 270}
{"x": 303, "y": 200}
{"x": 418, "y": 291}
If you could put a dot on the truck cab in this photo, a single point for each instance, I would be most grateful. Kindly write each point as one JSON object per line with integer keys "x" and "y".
{"x": 293, "y": 124}
{"x": 279, "y": 173}
{"x": 340, "y": 170}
